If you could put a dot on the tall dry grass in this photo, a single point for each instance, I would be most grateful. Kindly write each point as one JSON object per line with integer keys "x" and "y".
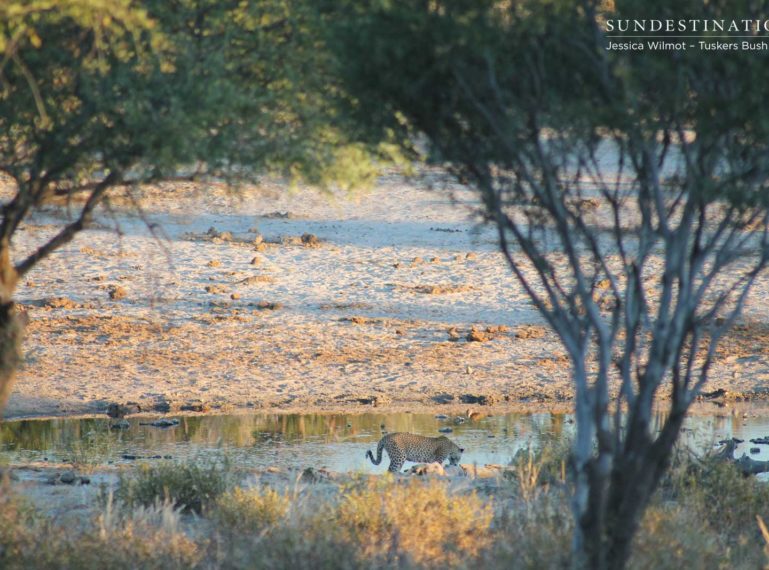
{"x": 706, "y": 515}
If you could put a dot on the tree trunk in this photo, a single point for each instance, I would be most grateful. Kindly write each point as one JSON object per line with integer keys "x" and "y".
{"x": 11, "y": 326}
{"x": 11, "y": 335}
{"x": 616, "y": 506}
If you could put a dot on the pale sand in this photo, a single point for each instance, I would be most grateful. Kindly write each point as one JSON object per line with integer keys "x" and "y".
{"x": 170, "y": 338}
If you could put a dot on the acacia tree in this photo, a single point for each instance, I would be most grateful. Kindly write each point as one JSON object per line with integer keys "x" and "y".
{"x": 100, "y": 93}
{"x": 629, "y": 192}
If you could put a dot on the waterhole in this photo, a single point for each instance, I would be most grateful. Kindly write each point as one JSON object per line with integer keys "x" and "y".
{"x": 336, "y": 441}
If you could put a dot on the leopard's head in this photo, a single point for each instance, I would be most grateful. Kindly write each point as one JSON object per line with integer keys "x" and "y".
{"x": 455, "y": 455}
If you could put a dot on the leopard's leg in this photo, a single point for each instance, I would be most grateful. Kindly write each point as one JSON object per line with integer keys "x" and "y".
{"x": 396, "y": 462}
{"x": 440, "y": 457}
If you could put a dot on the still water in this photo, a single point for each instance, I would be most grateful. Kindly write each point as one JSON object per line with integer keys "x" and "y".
{"x": 336, "y": 441}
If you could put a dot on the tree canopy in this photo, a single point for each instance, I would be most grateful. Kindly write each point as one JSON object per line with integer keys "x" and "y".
{"x": 97, "y": 93}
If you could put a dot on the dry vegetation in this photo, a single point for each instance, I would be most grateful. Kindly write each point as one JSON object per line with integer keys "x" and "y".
{"x": 704, "y": 516}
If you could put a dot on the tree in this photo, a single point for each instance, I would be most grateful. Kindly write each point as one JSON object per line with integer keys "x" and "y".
{"x": 629, "y": 190}
{"x": 100, "y": 93}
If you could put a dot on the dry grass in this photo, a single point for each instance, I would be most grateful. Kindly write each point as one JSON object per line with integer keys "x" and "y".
{"x": 705, "y": 516}
{"x": 254, "y": 509}
{"x": 147, "y": 539}
{"x": 418, "y": 522}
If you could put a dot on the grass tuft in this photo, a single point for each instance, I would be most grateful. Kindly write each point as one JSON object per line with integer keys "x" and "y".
{"x": 190, "y": 487}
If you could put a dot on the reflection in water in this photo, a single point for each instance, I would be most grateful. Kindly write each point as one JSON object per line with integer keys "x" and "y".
{"x": 337, "y": 441}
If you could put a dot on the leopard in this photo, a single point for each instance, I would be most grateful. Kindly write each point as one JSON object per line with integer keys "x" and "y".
{"x": 402, "y": 447}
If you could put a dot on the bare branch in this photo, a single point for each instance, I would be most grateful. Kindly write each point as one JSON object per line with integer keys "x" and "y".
{"x": 69, "y": 231}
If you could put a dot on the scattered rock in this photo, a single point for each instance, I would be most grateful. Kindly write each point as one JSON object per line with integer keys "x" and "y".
{"x": 603, "y": 284}
{"x": 162, "y": 405}
{"x": 268, "y": 306}
{"x": 213, "y": 232}
{"x": 195, "y": 406}
{"x": 471, "y": 256}
{"x": 116, "y": 410}
{"x": 585, "y": 204}
{"x": 260, "y": 247}
{"x": 480, "y": 399}
{"x": 216, "y": 289}
{"x": 116, "y": 292}
{"x": 476, "y": 335}
{"x": 381, "y": 400}
{"x": 554, "y": 363}
{"x": 235, "y": 296}
{"x": 225, "y": 236}
{"x": 530, "y": 331}
{"x": 256, "y": 261}
{"x": 162, "y": 423}
{"x": 443, "y": 398}
{"x": 714, "y": 394}
{"x": 428, "y": 469}
{"x": 417, "y": 261}
{"x": 355, "y": 320}
{"x": 459, "y": 420}
{"x": 441, "y": 289}
{"x": 279, "y": 215}
{"x": 214, "y": 263}
{"x": 761, "y": 440}
{"x": 61, "y": 303}
{"x": 252, "y": 280}
{"x": 132, "y": 457}
{"x": 441, "y": 417}
{"x": 453, "y": 334}
{"x": 377, "y": 401}
{"x": 445, "y": 430}
{"x": 311, "y": 475}
{"x": 310, "y": 240}
{"x": 490, "y": 471}
{"x": 258, "y": 239}
{"x": 120, "y": 424}
{"x": 755, "y": 450}
{"x": 435, "y": 260}
{"x": 68, "y": 478}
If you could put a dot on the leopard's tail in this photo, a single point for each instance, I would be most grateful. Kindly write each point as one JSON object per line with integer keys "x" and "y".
{"x": 379, "y": 448}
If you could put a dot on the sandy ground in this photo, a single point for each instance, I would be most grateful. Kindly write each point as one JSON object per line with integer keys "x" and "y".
{"x": 376, "y": 313}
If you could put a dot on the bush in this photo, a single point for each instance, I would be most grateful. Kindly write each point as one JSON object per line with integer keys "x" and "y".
{"x": 420, "y": 520}
{"x": 250, "y": 509}
{"x": 673, "y": 537}
{"x": 190, "y": 487}
{"x": 534, "y": 534}
{"x": 30, "y": 541}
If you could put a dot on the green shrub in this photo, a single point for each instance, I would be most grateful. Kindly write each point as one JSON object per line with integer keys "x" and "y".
{"x": 188, "y": 486}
